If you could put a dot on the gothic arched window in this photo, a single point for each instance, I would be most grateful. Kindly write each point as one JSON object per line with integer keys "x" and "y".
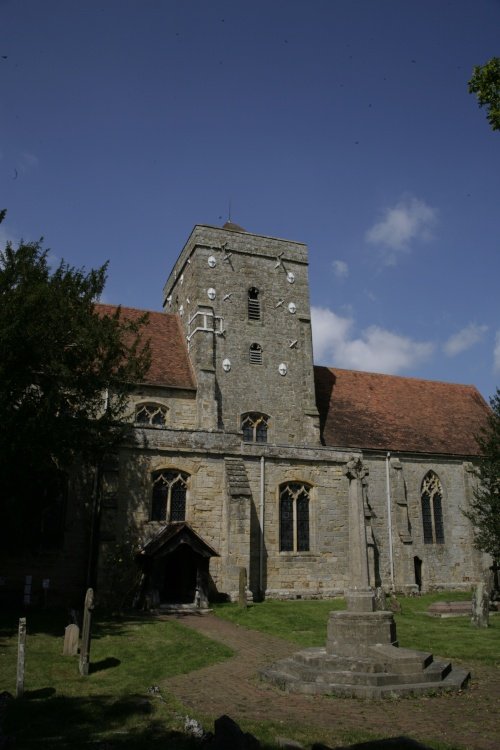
{"x": 169, "y": 495}
{"x": 431, "y": 497}
{"x": 255, "y": 354}
{"x": 151, "y": 415}
{"x": 253, "y": 304}
{"x": 254, "y": 427}
{"x": 294, "y": 517}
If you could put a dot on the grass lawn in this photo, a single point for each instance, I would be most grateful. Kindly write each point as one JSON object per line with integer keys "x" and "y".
{"x": 304, "y": 622}
{"x": 61, "y": 709}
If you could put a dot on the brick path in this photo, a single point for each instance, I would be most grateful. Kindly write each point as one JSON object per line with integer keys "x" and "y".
{"x": 468, "y": 720}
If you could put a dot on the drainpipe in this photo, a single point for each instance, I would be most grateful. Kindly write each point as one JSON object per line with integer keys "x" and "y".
{"x": 261, "y": 548}
{"x": 389, "y": 516}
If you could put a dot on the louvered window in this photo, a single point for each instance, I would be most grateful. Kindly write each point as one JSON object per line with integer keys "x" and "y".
{"x": 255, "y": 354}
{"x": 253, "y": 304}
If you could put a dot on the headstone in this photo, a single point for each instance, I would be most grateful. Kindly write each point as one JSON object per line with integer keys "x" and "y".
{"x": 87, "y": 619}
{"x": 480, "y": 606}
{"x": 71, "y": 638}
{"x": 21, "y": 654}
{"x": 242, "y": 588}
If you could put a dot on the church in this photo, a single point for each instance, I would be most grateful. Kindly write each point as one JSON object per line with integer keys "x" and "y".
{"x": 242, "y": 447}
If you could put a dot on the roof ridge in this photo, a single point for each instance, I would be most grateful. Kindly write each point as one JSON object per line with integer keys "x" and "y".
{"x": 400, "y": 377}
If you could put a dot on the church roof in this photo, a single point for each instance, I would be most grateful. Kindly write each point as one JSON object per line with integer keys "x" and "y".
{"x": 170, "y": 365}
{"x": 387, "y": 412}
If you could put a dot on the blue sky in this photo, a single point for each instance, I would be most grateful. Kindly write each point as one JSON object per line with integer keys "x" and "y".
{"x": 345, "y": 124}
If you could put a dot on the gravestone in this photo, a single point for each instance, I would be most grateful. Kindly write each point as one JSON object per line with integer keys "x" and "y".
{"x": 71, "y": 638}
{"x": 87, "y": 619}
{"x": 21, "y": 654}
{"x": 480, "y": 606}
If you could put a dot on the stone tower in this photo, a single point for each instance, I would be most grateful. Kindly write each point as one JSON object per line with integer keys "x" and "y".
{"x": 244, "y": 305}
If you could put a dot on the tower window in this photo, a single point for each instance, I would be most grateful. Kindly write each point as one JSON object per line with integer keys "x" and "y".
{"x": 255, "y": 354}
{"x": 254, "y": 427}
{"x": 294, "y": 517}
{"x": 431, "y": 497}
{"x": 253, "y": 304}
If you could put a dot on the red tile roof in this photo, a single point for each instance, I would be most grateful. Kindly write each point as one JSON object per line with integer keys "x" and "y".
{"x": 170, "y": 365}
{"x": 387, "y": 412}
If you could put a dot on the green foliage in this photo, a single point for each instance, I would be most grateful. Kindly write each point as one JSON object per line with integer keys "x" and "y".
{"x": 123, "y": 574}
{"x": 65, "y": 372}
{"x": 485, "y": 83}
{"x": 485, "y": 508}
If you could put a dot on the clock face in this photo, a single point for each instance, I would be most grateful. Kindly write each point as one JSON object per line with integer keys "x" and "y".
{"x": 211, "y": 261}
{"x": 226, "y": 365}
{"x": 211, "y": 293}
{"x": 290, "y": 277}
{"x": 292, "y": 307}
{"x": 282, "y": 369}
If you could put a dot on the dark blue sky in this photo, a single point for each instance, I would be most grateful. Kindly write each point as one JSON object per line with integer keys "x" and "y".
{"x": 343, "y": 124}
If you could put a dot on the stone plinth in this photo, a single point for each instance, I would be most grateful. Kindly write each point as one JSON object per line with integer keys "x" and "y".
{"x": 354, "y": 633}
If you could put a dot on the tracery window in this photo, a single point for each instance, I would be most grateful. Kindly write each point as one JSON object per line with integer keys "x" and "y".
{"x": 255, "y": 354}
{"x": 169, "y": 496}
{"x": 151, "y": 414}
{"x": 294, "y": 517}
{"x": 431, "y": 496}
{"x": 253, "y": 304}
{"x": 254, "y": 427}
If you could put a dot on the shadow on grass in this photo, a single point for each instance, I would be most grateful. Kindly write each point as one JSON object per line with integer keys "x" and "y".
{"x": 108, "y": 663}
{"x": 62, "y": 722}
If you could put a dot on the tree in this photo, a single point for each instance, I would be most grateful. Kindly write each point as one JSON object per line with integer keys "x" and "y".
{"x": 65, "y": 373}
{"x": 485, "y": 508}
{"x": 485, "y": 83}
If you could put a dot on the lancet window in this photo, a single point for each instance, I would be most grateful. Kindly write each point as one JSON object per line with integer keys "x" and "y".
{"x": 169, "y": 496}
{"x": 431, "y": 496}
{"x": 294, "y": 517}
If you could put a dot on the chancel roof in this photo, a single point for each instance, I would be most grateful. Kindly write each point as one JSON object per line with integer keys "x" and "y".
{"x": 387, "y": 412}
{"x": 170, "y": 365}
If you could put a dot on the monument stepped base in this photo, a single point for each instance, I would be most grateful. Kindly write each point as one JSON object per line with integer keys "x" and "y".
{"x": 385, "y": 675}
{"x": 358, "y": 663}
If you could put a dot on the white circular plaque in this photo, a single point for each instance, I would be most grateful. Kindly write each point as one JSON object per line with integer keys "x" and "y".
{"x": 211, "y": 293}
{"x": 226, "y": 365}
{"x": 211, "y": 261}
{"x": 292, "y": 307}
{"x": 282, "y": 369}
{"x": 290, "y": 277}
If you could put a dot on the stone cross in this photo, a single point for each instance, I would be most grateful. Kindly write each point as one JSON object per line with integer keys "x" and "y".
{"x": 21, "y": 653}
{"x": 359, "y": 597}
{"x": 85, "y": 646}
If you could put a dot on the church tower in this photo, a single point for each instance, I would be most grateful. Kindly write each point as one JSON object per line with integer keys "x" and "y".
{"x": 243, "y": 300}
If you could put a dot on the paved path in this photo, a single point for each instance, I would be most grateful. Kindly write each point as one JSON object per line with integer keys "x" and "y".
{"x": 468, "y": 720}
